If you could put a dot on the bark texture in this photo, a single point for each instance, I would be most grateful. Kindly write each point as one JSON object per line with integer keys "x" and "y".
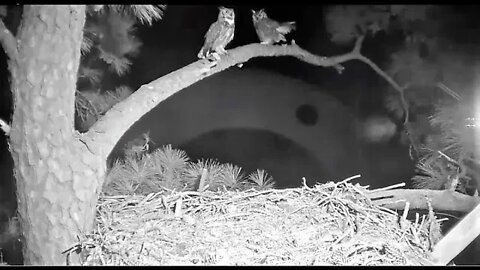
{"x": 56, "y": 176}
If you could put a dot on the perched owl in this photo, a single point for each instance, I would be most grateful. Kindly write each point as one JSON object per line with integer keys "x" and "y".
{"x": 219, "y": 34}
{"x": 270, "y": 31}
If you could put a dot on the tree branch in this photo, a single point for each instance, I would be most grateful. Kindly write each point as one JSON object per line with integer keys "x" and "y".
{"x": 356, "y": 53}
{"x": 441, "y": 200}
{"x": 389, "y": 79}
{"x": 8, "y": 41}
{"x": 106, "y": 132}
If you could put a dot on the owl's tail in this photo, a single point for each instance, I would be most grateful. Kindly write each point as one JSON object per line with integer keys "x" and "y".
{"x": 286, "y": 27}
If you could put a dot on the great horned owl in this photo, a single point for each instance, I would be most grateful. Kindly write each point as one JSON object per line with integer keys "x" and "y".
{"x": 270, "y": 31}
{"x": 219, "y": 34}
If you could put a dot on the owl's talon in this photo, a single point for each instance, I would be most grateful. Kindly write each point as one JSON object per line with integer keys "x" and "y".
{"x": 211, "y": 63}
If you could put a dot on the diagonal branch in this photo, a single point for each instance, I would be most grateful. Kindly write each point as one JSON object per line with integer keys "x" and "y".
{"x": 106, "y": 132}
{"x": 389, "y": 79}
{"x": 357, "y": 55}
{"x": 8, "y": 41}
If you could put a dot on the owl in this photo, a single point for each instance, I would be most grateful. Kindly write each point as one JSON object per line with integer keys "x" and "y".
{"x": 270, "y": 31}
{"x": 219, "y": 34}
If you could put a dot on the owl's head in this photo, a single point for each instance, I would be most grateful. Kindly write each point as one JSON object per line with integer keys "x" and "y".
{"x": 259, "y": 15}
{"x": 227, "y": 15}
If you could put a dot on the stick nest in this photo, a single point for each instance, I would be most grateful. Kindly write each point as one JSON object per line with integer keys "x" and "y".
{"x": 328, "y": 224}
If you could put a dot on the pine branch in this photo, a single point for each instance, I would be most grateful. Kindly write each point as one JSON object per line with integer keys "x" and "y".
{"x": 8, "y": 41}
{"x": 85, "y": 107}
{"x": 449, "y": 91}
{"x": 104, "y": 134}
{"x": 146, "y": 14}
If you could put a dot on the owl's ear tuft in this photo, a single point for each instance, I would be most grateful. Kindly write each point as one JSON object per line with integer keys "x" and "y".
{"x": 221, "y": 7}
{"x": 253, "y": 11}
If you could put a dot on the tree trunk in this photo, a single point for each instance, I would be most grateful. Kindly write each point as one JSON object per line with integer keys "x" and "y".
{"x": 57, "y": 178}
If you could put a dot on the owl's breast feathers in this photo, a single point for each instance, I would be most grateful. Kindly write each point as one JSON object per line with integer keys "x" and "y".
{"x": 265, "y": 26}
{"x": 224, "y": 36}
{"x": 213, "y": 32}
{"x": 218, "y": 35}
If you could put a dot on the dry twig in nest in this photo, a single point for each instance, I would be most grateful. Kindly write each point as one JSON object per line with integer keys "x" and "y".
{"x": 329, "y": 224}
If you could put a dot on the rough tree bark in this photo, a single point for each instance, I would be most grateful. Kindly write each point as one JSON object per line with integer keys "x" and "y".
{"x": 56, "y": 177}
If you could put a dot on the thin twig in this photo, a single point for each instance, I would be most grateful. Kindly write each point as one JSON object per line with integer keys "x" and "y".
{"x": 178, "y": 207}
{"x": 448, "y": 158}
{"x": 349, "y": 178}
{"x": 449, "y": 91}
{"x": 390, "y": 80}
{"x": 403, "y": 222}
{"x": 203, "y": 178}
{"x": 387, "y": 188}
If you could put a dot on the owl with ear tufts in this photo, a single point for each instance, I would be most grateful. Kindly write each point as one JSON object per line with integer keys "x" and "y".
{"x": 270, "y": 31}
{"x": 219, "y": 34}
